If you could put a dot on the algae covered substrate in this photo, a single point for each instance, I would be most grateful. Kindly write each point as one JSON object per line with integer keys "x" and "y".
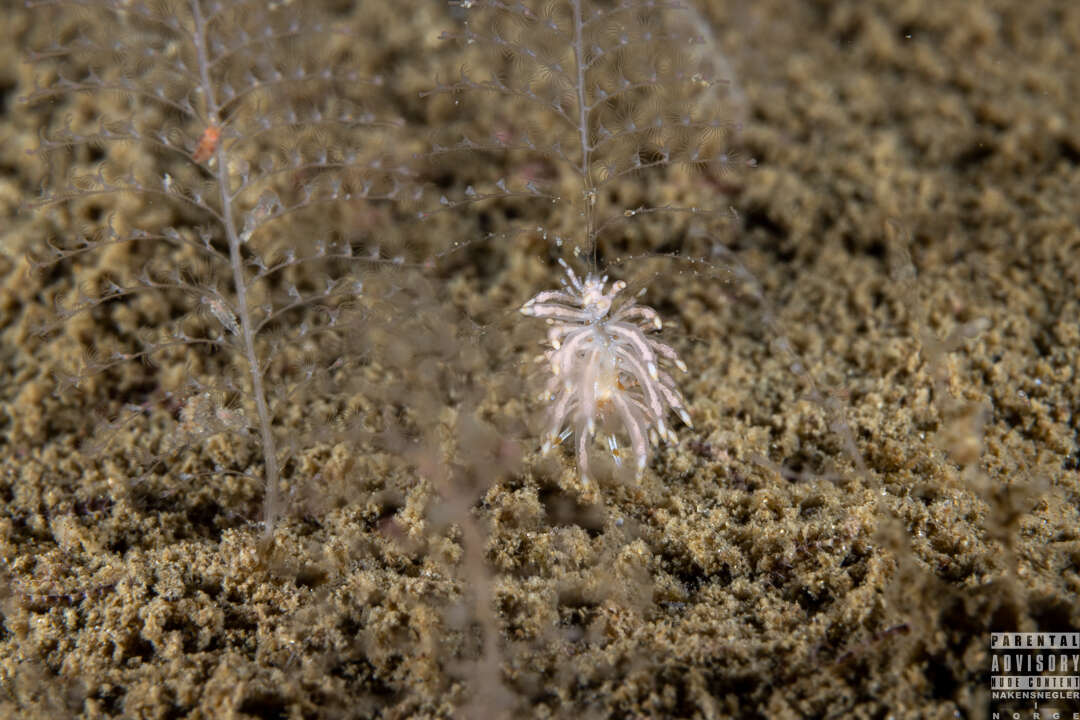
{"x": 882, "y": 471}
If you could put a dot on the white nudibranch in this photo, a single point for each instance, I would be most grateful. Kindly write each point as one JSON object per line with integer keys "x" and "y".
{"x": 605, "y": 370}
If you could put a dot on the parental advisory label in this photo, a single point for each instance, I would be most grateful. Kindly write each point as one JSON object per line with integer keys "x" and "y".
{"x": 1034, "y": 641}
{"x": 1035, "y": 667}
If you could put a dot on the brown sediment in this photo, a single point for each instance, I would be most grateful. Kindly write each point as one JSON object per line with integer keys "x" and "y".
{"x": 756, "y": 570}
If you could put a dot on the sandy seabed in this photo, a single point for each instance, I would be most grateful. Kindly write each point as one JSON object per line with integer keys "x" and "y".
{"x": 840, "y": 539}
